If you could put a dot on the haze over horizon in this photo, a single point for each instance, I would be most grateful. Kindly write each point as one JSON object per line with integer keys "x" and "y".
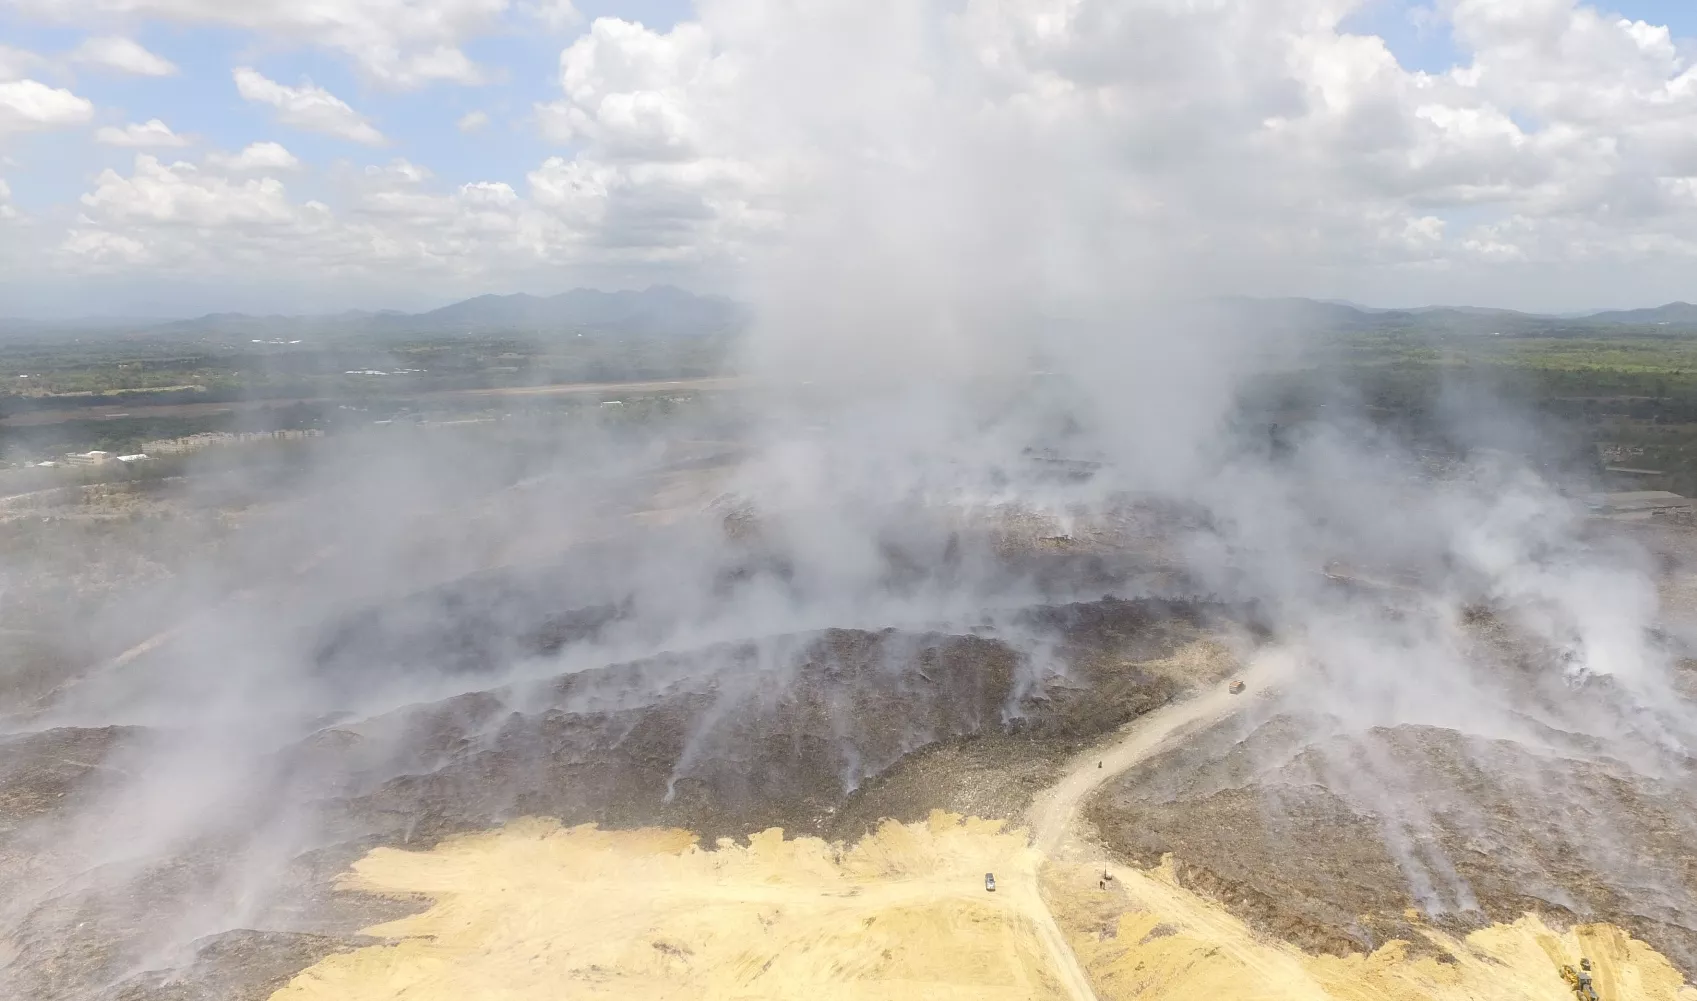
{"x": 121, "y": 318}
{"x": 169, "y": 158}
{"x": 991, "y": 602}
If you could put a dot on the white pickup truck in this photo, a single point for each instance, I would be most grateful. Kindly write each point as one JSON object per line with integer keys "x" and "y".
{"x": 990, "y": 882}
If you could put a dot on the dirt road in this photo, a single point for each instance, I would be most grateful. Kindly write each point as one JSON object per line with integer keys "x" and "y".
{"x": 1191, "y": 946}
{"x": 1054, "y": 813}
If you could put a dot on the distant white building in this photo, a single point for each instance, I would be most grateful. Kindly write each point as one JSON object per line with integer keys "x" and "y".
{"x": 208, "y": 439}
{"x": 1636, "y": 505}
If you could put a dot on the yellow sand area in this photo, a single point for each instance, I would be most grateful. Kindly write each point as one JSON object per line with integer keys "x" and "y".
{"x": 536, "y": 910}
{"x": 1146, "y": 937}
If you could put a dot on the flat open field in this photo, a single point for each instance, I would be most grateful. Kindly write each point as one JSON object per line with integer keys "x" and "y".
{"x": 108, "y": 411}
{"x": 535, "y": 910}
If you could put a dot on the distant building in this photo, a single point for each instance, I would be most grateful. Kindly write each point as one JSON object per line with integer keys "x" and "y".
{"x": 1637, "y": 505}
{"x": 96, "y": 458}
{"x": 209, "y": 439}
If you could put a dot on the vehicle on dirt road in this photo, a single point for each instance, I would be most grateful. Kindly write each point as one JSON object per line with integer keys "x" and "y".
{"x": 990, "y": 882}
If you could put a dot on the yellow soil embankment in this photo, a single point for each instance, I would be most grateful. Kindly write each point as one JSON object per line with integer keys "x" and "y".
{"x": 1145, "y": 937}
{"x": 535, "y": 910}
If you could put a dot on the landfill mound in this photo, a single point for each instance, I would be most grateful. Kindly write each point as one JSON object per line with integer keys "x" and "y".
{"x": 1242, "y": 867}
{"x": 821, "y": 734}
{"x": 1484, "y": 831}
{"x": 737, "y": 738}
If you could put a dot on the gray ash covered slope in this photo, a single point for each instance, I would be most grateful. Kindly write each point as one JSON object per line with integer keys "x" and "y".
{"x": 817, "y": 733}
{"x": 740, "y": 737}
{"x": 722, "y": 741}
{"x": 1462, "y": 830}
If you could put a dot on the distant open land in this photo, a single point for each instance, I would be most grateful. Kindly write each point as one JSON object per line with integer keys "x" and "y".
{"x": 143, "y": 411}
{"x": 1619, "y": 388}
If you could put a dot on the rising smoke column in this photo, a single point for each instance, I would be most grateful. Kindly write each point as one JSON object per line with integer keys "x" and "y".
{"x": 950, "y": 233}
{"x": 970, "y": 193}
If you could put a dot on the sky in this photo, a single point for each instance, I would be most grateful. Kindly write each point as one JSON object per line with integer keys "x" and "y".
{"x": 176, "y": 157}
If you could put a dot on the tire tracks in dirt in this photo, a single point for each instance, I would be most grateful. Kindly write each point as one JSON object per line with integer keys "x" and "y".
{"x": 1053, "y": 816}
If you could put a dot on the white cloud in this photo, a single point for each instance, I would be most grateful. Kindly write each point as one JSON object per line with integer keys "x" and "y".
{"x": 490, "y": 193}
{"x": 307, "y": 107}
{"x": 1251, "y": 145}
{"x": 399, "y": 171}
{"x": 179, "y": 194}
{"x": 123, "y": 54}
{"x": 174, "y": 215}
{"x": 99, "y": 247}
{"x": 666, "y": 173}
{"x": 27, "y": 105}
{"x": 1276, "y": 143}
{"x": 17, "y": 63}
{"x": 151, "y": 133}
{"x": 256, "y": 157}
{"x": 556, "y": 15}
{"x": 472, "y": 121}
{"x": 637, "y": 93}
{"x": 401, "y": 43}
{"x": 653, "y": 212}
{"x": 6, "y": 210}
{"x": 179, "y": 218}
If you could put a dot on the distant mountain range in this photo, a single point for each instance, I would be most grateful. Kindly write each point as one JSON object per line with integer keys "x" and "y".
{"x": 660, "y": 310}
{"x": 1675, "y": 318}
{"x": 663, "y": 310}
{"x": 1674, "y": 313}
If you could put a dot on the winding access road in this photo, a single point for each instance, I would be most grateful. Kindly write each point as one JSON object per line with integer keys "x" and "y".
{"x": 1054, "y": 813}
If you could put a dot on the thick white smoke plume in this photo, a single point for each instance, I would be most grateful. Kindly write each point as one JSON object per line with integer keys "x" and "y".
{"x": 951, "y": 235}
{"x": 966, "y": 283}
